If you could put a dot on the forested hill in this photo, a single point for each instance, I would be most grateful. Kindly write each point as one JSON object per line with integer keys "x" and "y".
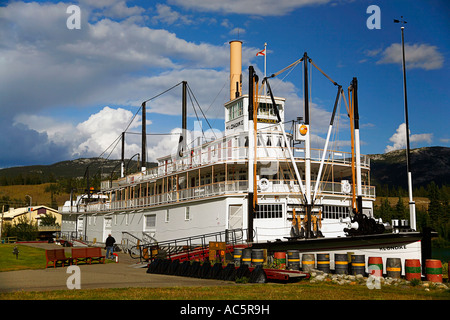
{"x": 389, "y": 169}
{"x": 78, "y": 168}
{"x": 430, "y": 164}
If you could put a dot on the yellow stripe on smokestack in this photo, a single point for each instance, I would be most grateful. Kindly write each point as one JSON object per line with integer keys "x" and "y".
{"x": 235, "y": 69}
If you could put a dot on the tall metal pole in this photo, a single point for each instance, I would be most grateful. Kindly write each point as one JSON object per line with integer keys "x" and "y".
{"x": 412, "y": 205}
{"x": 251, "y": 155}
{"x": 307, "y": 149}
{"x": 144, "y": 138}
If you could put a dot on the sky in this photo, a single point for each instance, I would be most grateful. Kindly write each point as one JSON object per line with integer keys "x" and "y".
{"x": 73, "y": 78}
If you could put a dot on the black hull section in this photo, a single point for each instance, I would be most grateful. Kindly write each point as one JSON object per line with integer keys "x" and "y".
{"x": 342, "y": 243}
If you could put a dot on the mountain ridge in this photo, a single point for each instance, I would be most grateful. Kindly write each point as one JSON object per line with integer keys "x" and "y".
{"x": 427, "y": 164}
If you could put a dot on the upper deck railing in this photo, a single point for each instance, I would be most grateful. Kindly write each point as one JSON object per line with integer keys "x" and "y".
{"x": 275, "y": 187}
{"x": 232, "y": 149}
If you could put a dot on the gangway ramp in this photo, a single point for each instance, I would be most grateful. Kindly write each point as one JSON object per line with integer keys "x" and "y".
{"x": 189, "y": 248}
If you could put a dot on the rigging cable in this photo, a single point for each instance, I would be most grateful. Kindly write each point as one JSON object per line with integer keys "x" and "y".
{"x": 116, "y": 141}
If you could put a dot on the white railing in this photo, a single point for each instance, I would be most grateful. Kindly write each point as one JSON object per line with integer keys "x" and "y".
{"x": 217, "y": 189}
{"x": 231, "y": 149}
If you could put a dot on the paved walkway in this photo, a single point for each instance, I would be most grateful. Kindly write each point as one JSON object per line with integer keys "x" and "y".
{"x": 126, "y": 273}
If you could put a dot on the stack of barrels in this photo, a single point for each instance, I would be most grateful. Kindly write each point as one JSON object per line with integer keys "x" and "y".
{"x": 354, "y": 264}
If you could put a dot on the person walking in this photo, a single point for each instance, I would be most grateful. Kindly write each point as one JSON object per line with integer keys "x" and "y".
{"x": 109, "y": 246}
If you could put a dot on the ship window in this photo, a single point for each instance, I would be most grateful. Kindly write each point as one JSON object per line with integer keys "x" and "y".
{"x": 235, "y": 110}
{"x": 269, "y": 141}
{"x": 186, "y": 213}
{"x": 266, "y": 109}
{"x": 150, "y": 221}
{"x": 269, "y": 211}
{"x": 335, "y": 212}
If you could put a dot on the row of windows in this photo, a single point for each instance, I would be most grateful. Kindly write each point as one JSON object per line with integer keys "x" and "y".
{"x": 335, "y": 212}
{"x": 269, "y": 211}
{"x": 265, "y": 211}
{"x": 150, "y": 220}
{"x": 236, "y": 110}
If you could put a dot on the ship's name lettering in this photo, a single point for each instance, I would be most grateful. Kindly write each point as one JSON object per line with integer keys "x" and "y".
{"x": 235, "y": 125}
{"x": 393, "y": 248}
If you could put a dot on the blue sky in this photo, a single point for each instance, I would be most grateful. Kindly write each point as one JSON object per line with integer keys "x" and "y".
{"x": 69, "y": 93}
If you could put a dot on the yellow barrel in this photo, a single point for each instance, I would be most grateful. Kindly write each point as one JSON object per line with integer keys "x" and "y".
{"x": 247, "y": 257}
{"x": 257, "y": 257}
{"x": 293, "y": 259}
{"x": 308, "y": 262}
{"x": 323, "y": 262}
{"x": 340, "y": 263}
{"x": 393, "y": 267}
{"x": 358, "y": 264}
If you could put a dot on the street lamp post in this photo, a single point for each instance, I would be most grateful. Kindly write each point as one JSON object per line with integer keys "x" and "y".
{"x": 412, "y": 205}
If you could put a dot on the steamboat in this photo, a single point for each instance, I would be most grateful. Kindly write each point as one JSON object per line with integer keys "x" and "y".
{"x": 258, "y": 182}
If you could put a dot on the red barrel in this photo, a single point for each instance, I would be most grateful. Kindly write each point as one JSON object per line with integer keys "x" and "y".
{"x": 433, "y": 270}
{"x": 412, "y": 269}
{"x": 375, "y": 265}
{"x": 280, "y": 259}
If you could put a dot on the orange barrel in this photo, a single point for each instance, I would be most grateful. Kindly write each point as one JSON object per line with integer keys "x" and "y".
{"x": 340, "y": 263}
{"x": 323, "y": 262}
{"x": 280, "y": 259}
{"x": 375, "y": 266}
{"x": 257, "y": 257}
{"x": 412, "y": 269}
{"x": 246, "y": 257}
{"x": 237, "y": 256}
{"x": 358, "y": 264}
{"x": 308, "y": 262}
{"x": 433, "y": 269}
{"x": 393, "y": 267}
{"x": 293, "y": 261}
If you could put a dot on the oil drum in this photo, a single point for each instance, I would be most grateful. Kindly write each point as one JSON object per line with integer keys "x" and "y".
{"x": 323, "y": 262}
{"x": 308, "y": 262}
{"x": 393, "y": 267}
{"x": 280, "y": 259}
{"x": 413, "y": 269}
{"x": 257, "y": 257}
{"x": 340, "y": 263}
{"x": 433, "y": 269}
{"x": 293, "y": 259}
{"x": 375, "y": 266}
{"x": 358, "y": 264}
{"x": 237, "y": 256}
{"x": 246, "y": 257}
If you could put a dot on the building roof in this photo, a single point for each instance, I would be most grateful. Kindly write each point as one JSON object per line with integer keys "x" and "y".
{"x": 15, "y": 212}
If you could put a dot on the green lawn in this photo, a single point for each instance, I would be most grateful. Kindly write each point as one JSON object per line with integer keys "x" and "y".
{"x": 28, "y": 258}
{"x": 34, "y": 258}
{"x": 302, "y": 290}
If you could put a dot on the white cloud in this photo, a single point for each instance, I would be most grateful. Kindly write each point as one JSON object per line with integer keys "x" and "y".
{"x": 251, "y": 7}
{"x": 417, "y": 56}
{"x": 88, "y": 66}
{"x": 399, "y": 138}
{"x": 169, "y": 16}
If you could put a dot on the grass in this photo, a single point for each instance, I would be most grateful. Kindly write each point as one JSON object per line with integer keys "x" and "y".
{"x": 36, "y": 191}
{"x": 34, "y": 258}
{"x": 302, "y": 290}
{"x": 28, "y": 258}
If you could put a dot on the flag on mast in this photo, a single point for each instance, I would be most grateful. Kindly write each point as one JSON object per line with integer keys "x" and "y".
{"x": 263, "y": 53}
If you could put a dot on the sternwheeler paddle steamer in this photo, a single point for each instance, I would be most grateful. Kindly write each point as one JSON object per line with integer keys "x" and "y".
{"x": 257, "y": 182}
